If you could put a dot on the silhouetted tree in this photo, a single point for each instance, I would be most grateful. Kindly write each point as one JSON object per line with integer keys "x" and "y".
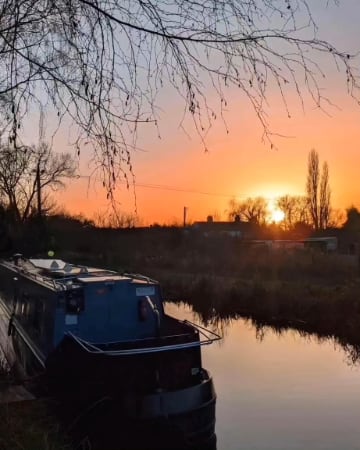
{"x": 312, "y": 187}
{"x": 115, "y": 219}
{"x": 253, "y": 210}
{"x": 103, "y": 63}
{"x": 325, "y": 198}
{"x": 295, "y": 209}
{"x": 286, "y": 204}
{"x": 27, "y": 172}
{"x": 318, "y": 192}
{"x": 5, "y": 239}
{"x": 337, "y": 218}
{"x": 352, "y": 222}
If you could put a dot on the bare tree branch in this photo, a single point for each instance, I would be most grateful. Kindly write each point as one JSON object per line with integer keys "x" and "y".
{"x": 103, "y": 64}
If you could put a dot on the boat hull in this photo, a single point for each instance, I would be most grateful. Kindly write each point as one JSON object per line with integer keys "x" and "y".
{"x": 162, "y": 418}
{"x": 7, "y": 345}
{"x": 101, "y": 344}
{"x": 183, "y": 419}
{"x": 21, "y": 356}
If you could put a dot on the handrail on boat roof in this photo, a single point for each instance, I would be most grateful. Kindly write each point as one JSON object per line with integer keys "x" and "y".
{"x": 140, "y": 277}
{"x": 208, "y": 338}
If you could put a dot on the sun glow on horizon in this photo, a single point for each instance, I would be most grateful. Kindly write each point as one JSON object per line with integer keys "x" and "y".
{"x": 275, "y": 214}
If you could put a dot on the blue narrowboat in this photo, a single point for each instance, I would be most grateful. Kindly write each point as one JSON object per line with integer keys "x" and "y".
{"x": 90, "y": 328}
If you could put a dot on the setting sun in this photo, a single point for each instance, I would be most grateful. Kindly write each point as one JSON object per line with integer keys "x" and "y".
{"x": 277, "y": 215}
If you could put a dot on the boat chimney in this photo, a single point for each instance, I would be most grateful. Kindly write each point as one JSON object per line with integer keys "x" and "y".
{"x": 17, "y": 258}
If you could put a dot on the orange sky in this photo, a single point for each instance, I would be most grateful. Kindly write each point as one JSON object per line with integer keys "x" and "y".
{"x": 238, "y": 164}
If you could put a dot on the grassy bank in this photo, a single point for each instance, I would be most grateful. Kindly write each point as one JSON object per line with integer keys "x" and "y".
{"x": 308, "y": 290}
{"x": 27, "y": 425}
{"x": 327, "y": 310}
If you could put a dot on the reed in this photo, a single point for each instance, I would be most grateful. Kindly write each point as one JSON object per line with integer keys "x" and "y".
{"x": 331, "y": 310}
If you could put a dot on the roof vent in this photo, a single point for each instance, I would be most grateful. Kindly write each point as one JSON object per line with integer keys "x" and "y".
{"x": 54, "y": 265}
{"x": 67, "y": 268}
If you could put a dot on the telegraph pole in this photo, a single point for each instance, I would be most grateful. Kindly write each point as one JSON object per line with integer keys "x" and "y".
{"x": 38, "y": 189}
{"x": 185, "y": 212}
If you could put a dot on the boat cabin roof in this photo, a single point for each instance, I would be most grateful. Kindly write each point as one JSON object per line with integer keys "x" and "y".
{"x": 57, "y": 268}
{"x": 62, "y": 275}
{"x": 49, "y": 264}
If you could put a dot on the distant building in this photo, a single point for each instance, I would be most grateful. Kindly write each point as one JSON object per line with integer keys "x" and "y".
{"x": 237, "y": 228}
{"x": 326, "y": 243}
{"x": 252, "y": 234}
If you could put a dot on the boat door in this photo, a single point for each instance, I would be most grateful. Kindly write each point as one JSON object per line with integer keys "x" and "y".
{"x": 74, "y": 305}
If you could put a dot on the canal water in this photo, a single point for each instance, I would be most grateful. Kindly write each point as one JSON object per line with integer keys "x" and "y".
{"x": 275, "y": 390}
{"x": 280, "y": 391}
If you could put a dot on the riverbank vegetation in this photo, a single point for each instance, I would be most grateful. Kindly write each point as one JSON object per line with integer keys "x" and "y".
{"x": 282, "y": 284}
{"x": 304, "y": 289}
{"x": 28, "y": 425}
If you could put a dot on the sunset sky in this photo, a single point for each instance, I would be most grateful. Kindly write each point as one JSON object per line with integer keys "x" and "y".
{"x": 238, "y": 164}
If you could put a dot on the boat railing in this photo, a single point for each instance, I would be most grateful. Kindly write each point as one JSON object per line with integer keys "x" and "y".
{"x": 206, "y": 337}
{"x": 139, "y": 276}
{"x": 204, "y": 331}
{"x": 49, "y": 282}
{"x": 34, "y": 274}
{"x": 57, "y": 285}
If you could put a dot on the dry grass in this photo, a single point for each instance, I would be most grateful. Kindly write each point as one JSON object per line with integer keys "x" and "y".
{"x": 27, "y": 425}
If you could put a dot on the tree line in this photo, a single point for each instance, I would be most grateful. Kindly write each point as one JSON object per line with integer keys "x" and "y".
{"x": 29, "y": 175}
{"x": 313, "y": 209}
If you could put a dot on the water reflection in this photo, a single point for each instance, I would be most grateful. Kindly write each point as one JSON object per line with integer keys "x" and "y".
{"x": 220, "y": 321}
{"x": 280, "y": 387}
